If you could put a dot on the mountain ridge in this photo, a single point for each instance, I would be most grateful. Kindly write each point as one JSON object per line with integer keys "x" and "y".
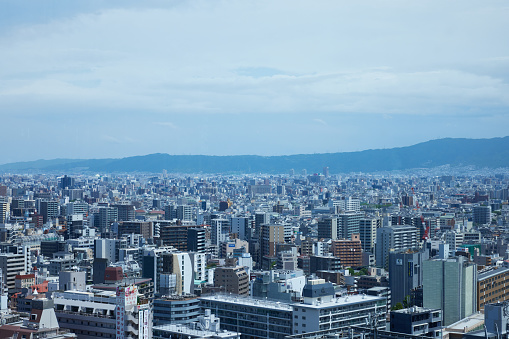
{"x": 491, "y": 153}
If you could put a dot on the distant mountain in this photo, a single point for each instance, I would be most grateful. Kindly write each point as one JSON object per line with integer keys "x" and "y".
{"x": 491, "y": 153}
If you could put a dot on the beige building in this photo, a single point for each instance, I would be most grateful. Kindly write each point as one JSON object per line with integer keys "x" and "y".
{"x": 232, "y": 279}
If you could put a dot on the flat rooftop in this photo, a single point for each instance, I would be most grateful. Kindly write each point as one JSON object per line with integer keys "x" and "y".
{"x": 288, "y": 306}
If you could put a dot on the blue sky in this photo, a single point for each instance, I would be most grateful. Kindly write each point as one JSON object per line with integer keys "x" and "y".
{"x": 95, "y": 79}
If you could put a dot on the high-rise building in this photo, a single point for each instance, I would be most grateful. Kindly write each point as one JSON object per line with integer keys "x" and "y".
{"x": 270, "y": 236}
{"x": 326, "y": 172}
{"x": 491, "y": 286}
{"x": 125, "y": 212}
{"x": 328, "y": 228}
{"x": 393, "y": 238}
{"x": 170, "y": 212}
{"x": 450, "y": 285}
{"x": 104, "y": 218}
{"x": 4, "y": 208}
{"x": 405, "y": 273}
{"x": 184, "y": 212}
{"x": 66, "y": 182}
{"x": 348, "y": 224}
{"x": 49, "y": 210}
{"x": 12, "y": 265}
{"x": 482, "y": 215}
{"x": 348, "y": 251}
{"x": 144, "y": 228}
{"x": 367, "y": 232}
{"x": 196, "y": 239}
{"x": 239, "y": 225}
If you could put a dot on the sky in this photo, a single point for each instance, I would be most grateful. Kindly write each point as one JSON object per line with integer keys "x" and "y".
{"x": 110, "y": 79}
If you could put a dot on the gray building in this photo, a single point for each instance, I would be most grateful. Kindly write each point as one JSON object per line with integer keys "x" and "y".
{"x": 450, "y": 285}
{"x": 405, "y": 273}
{"x": 393, "y": 238}
{"x": 176, "y": 309}
{"x": 417, "y": 321}
{"x": 482, "y": 215}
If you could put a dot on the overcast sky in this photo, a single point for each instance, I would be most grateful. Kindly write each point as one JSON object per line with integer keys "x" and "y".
{"x": 96, "y": 79}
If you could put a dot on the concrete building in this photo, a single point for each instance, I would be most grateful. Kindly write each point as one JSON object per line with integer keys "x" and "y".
{"x": 349, "y": 252}
{"x": 482, "y": 215}
{"x": 206, "y": 326}
{"x": 49, "y": 210}
{"x": 454, "y": 240}
{"x": 417, "y": 321}
{"x": 492, "y": 286}
{"x": 393, "y": 238}
{"x": 233, "y": 279}
{"x": 320, "y": 312}
{"x": 12, "y": 265}
{"x": 405, "y": 273}
{"x": 144, "y": 228}
{"x": 348, "y": 224}
{"x": 367, "y": 232}
{"x": 104, "y": 314}
{"x": 450, "y": 285}
{"x": 176, "y": 309}
{"x": 328, "y": 228}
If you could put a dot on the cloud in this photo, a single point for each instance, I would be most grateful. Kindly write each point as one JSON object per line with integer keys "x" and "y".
{"x": 320, "y": 121}
{"x": 175, "y": 62}
{"x": 166, "y": 124}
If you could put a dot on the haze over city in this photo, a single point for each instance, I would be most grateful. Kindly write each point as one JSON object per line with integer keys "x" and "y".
{"x": 103, "y": 79}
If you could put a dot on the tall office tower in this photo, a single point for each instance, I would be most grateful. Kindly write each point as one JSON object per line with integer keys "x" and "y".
{"x": 482, "y": 215}
{"x": 105, "y": 217}
{"x": 239, "y": 225}
{"x": 348, "y": 224}
{"x": 66, "y": 182}
{"x": 291, "y": 172}
{"x": 367, "y": 232}
{"x": 393, "y": 238}
{"x": 196, "y": 239}
{"x": 281, "y": 189}
{"x": 4, "y": 207}
{"x": 304, "y": 172}
{"x": 450, "y": 285}
{"x": 326, "y": 172}
{"x": 405, "y": 273}
{"x": 170, "y": 212}
{"x": 49, "y": 210}
{"x": 184, "y": 212}
{"x": 328, "y": 228}
{"x": 125, "y": 212}
{"x": 219, "y": 231}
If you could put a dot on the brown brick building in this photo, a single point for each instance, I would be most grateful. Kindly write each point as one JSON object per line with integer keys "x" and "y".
{"x": 492, "y": 286}
{"x": 348, "y": 251}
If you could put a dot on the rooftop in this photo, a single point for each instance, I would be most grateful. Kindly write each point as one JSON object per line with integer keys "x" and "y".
{"x": 282, "y": 305}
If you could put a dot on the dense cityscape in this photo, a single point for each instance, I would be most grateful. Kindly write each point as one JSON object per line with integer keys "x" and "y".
{"x": 297, "y": 255}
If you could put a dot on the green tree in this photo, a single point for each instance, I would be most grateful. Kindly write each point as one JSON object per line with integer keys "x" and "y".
{"x": 398, "y": 306}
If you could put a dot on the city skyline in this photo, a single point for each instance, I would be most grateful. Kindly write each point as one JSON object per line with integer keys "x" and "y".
{"x": 116, "y": 79}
